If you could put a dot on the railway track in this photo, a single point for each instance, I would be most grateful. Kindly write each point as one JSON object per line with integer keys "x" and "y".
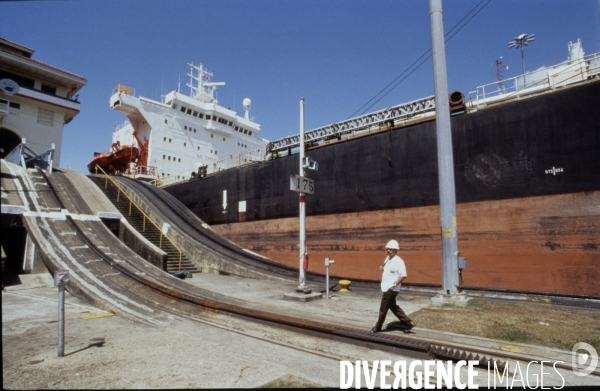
{"x": 174, "y": 296}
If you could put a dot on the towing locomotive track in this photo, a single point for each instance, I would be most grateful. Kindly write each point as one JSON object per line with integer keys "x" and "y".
{"x": 171, "y": 295}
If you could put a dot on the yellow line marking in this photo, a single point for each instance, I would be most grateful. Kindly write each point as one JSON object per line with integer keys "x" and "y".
{"x": 95, "y": 316}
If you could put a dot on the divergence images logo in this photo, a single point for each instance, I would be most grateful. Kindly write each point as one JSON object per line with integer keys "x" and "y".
{"x": 580, "y": 360}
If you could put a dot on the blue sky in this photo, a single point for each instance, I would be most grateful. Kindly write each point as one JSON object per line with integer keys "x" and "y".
{"x": 337, "y": 54}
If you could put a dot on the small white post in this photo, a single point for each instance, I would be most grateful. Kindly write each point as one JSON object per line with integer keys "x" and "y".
{"x": 327, "y": 263}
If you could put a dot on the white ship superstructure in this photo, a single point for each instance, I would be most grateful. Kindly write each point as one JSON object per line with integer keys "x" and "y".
{"x": 186, "y": 136}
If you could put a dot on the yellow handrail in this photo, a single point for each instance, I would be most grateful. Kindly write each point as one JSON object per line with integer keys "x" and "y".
{"x": 131, "y": 202}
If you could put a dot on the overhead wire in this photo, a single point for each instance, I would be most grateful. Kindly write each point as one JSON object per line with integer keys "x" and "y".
{"x": 426, "y": 53}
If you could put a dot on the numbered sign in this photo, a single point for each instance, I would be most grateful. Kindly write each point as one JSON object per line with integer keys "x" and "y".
{"x": 302, "y": 184}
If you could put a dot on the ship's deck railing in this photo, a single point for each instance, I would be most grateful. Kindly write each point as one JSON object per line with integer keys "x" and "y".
{"x": 122, "y": 125}
{"x": 240, "y": 159}
{"x": 139, "y": 208}
{"x": 543, "y": 79}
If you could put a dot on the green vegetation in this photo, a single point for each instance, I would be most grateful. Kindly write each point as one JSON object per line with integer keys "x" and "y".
{"x": 526, "y": 322}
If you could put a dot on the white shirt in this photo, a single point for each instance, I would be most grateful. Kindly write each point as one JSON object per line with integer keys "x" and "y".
{"x": 392, "y": 269}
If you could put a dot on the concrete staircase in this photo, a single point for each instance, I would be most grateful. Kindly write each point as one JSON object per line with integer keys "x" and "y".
{"x": 150, "y": 232}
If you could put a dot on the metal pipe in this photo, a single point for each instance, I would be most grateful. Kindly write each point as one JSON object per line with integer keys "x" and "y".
{"x": 444, "y": 152}
{"x": 61, "y": 320}
{"x": 302, "y": 198}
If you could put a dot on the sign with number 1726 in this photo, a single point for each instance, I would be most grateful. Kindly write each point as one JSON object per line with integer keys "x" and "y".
{"x": 302, "y": 184}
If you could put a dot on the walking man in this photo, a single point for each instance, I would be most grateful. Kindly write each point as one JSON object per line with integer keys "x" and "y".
{"x": 394, "y": 272}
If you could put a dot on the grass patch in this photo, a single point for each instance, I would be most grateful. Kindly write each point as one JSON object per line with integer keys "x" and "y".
{"x": 530, "y": 323}
{"x": 290, "y": 381}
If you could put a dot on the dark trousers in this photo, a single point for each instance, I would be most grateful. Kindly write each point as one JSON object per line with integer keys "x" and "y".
{"x": 388, "y": 302}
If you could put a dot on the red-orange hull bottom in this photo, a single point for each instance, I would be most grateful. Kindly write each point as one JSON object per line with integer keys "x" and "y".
{"x": 547, "y": 243}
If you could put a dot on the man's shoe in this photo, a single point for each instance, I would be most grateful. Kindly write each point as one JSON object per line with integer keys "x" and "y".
{"x": 409, "y": 326}
{"x": 375, "y": 330}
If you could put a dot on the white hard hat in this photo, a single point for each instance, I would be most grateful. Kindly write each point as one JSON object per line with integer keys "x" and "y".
{"x": 393, "y": 245}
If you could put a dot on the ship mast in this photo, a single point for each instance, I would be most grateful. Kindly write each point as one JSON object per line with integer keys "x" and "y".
{"x": 203, "y": 90}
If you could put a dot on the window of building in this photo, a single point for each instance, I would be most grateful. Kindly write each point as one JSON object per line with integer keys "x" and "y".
{"x": 48, "y": 89}
{"x": 45, "y": 117}
{"x": 14, "y": 105}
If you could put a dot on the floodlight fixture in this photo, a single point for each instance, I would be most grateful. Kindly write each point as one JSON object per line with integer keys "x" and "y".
{"x": 520, "y": 42}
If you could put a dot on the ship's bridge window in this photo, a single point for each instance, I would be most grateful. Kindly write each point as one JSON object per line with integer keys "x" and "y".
{"x": 165, "y": 139}
{"x": 169, "y": 157}
{"x": 166, "y": 121}
{"x": 185, "y": 127}
{"x": 223, "y": 138}
{"x": 194, "y": 130}
{"x": 189, "y": 111}
{"x": 201, "y": 115}
{"x": 211, "y": 136}
{"x": 179, "y": 160}
{"x": 182, "y": 109}
{"x": 185, "y": 144}
{"x": 164, "y": 157}
{"x": 245, "y": 131}
{"x": 195, "y": 113}
{"x": 250, "y": 133}
{"x": 230, "y": 123}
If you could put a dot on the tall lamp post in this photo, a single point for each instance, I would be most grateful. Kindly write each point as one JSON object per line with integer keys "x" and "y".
{"x": 520, "y": 42}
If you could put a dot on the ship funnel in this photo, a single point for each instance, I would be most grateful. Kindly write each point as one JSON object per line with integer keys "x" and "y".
{"x": 247, "y": 103}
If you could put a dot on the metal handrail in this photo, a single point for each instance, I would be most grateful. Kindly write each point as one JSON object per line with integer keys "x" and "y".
{"x": 588, "y": 66}
{"x": 131, "y": 203}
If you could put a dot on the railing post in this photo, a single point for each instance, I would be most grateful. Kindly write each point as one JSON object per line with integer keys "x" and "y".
{"x": 179, "y": 260}
{"x": 118, "y": 194}
{"x": 130, "y": 202}
{"x": 160, "y": 241}
{"x": 144, "y": 224}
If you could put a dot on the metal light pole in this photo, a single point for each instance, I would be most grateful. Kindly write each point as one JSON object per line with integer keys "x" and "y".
{"x": 520, "y": 42}
{"x": 302, "y": 199}
{"x": 450, "y": 280}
